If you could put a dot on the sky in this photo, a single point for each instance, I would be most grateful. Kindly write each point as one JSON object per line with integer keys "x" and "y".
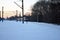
{"x": 10, "y": 6}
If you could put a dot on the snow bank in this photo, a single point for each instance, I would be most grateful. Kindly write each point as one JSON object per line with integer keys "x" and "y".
{"x": 11, "y": 30}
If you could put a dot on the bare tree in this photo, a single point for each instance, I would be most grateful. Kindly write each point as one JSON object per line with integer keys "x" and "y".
{"x": 46, "y": 11}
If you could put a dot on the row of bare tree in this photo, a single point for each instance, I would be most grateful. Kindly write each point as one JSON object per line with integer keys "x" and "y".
{"x": 45, "y": 11}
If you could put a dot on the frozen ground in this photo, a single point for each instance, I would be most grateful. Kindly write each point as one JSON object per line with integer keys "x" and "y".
{"x": 11, "y": 30}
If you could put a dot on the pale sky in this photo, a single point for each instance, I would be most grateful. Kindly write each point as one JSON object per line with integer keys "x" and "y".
{"x": 10, "y": 6}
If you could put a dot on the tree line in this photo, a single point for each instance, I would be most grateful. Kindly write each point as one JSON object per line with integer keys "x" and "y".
{"x": 45, "y": 11}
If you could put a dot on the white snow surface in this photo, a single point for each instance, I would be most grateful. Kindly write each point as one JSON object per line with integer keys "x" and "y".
{"x": 11, "y": 30}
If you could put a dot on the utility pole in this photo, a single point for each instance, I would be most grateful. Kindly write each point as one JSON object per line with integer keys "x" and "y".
{"x": 23, "y": 11}
{"x": 16, "y": 12}
{"x": 2, "y": 12}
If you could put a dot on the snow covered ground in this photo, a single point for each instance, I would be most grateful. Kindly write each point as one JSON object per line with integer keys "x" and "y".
{"x": 11, "y": 30}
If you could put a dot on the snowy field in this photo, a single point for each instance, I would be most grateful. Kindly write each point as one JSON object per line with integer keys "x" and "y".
{"x": 11, "y": 30}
